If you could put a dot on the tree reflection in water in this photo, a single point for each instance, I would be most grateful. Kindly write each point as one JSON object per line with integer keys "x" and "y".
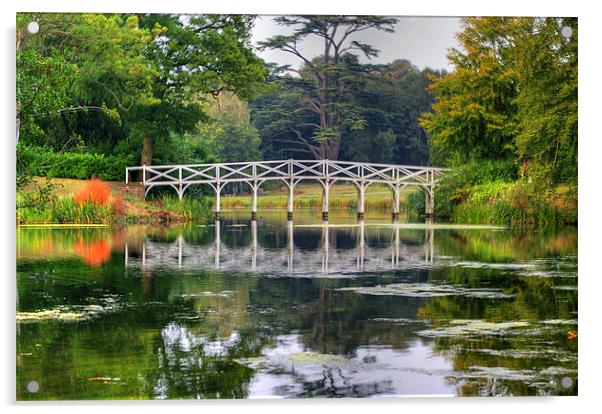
{"x": 239, "y": 311}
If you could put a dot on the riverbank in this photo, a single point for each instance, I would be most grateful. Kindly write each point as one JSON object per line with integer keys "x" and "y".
{"x": 53, "y": 201}
{"x": 495, "y": 193}
{"x": 70, "y": 201}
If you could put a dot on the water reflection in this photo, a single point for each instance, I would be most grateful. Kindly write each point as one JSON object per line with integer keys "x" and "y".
{"x": 275, "y": 309}
{"x": 337, "y": 251}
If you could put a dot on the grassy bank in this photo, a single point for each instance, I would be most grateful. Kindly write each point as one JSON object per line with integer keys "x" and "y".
{"x": 309, "y": 195}
{"x": 494, "y": 193}
{"x": 71, "y": 201}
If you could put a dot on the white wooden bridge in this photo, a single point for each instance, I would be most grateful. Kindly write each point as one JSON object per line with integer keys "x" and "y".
{"x": 291, "y": 172}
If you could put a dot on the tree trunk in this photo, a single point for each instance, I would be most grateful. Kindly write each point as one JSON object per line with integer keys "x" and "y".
{"x": 330, "y": 150}
{"x": 147, "y": 153}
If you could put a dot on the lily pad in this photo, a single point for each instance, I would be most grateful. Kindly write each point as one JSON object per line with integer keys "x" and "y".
{"x": 70, "y": 313}
{"x": 223, "y": 294}
{"x": 50, "y": 314}
{"x": 428, "y": 290}
{"x": 463, "y": 327}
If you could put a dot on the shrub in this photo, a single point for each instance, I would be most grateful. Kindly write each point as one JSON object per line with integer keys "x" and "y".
{"x": 94, "y": 191}
{"x": 47, "y": 163}
{"x": 456, "y": 185}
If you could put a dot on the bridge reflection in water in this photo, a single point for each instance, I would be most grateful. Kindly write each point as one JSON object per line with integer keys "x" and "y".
{"x": 327, "y": 259}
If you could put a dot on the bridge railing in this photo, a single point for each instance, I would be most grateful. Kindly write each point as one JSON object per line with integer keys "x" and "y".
{"x": 288, "y": 169}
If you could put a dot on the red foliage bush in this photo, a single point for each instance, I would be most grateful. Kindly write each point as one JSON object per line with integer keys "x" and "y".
{"x": 94, "y": 191}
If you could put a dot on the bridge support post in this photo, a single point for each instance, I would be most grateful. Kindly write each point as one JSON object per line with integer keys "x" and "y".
{"x": 361, "y": 202}
{"x": 289, "y": 203}
{"x": 218, "y": 242}
{"x": 325, "y": 202}
{"x": 290, "y": 244}
{"x": 396, "y": 200}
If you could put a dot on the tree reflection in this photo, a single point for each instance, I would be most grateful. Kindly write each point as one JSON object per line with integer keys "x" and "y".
{"x": 175, "y": 330}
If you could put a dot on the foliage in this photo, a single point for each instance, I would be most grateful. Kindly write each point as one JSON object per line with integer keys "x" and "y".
{"x": 39, "y": 161}
{"x": 231, "y": 141}
{"x": 387, "y": 98}
{"x": 512, "y": 95}
{"x": 324, "y": 82}
{"x": 41, "y": 195}
{"x": 93, "y": 191}
{"x": 189, "y": 208}
{"x": 126, "y": 84}
{"x": 391, "y": 99}
{"x": 547, "y": 102}
{"x": 65, "y": 210}
{"x": 118, "y": 206}
{"x": 76, "y": 74}
{"x": 519, "y": 204}
{"x": 213, "y": 55}
{"x": 456, "y": 185}
{"x": 490, "y": 192}
{"x": 473, "y": 118}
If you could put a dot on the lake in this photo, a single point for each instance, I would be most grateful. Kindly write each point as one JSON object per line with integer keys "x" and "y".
{"x": 295, "y": 309}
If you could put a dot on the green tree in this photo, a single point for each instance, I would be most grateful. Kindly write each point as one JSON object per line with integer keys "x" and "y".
{"x": 231, "y": 141}
{"x": 388, "y": 98}
{"x": 546, "y": 70}
{"x": 324, "y": 82}
{"x": 128, "y": 84}
{"x": 512, "y": 95}
{"x": 474, "y": 115}
{"x": 77, "y": 63}
{"x": 196, "y": 55}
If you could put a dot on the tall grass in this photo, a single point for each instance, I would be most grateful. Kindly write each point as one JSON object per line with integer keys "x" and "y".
{"x": 519, "y": 204}
{"x": 310, "y": 198}
{"x": 66, "y": 210}
{"x": 189, "y": 208}
{"x": 90, "y": 204}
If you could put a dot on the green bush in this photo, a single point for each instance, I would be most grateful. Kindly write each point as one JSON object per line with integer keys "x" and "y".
{"x": 44, "y": 162}
{"x": 456, "y": 185}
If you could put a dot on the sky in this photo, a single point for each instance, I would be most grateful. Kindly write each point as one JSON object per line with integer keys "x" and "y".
{"x": 424, "y": 41}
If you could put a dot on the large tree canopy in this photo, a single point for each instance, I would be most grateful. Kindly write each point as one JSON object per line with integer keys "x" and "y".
{"x": 389, "y": 99}
{"x": 513, "y": 94}
{"x": 323, "y": 82}
{"x": 125, "y": 82}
